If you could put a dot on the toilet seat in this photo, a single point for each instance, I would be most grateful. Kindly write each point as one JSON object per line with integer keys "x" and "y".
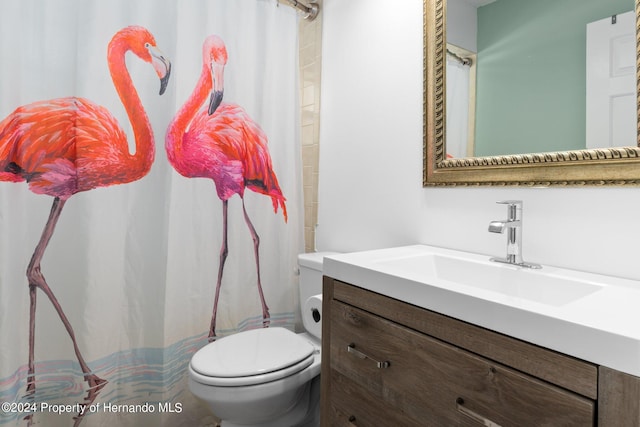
{"x": 252, "y": 357}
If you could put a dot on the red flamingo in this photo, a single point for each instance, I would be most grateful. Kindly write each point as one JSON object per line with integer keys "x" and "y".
{"x": 64, "y": 146}
{"x": 224, "y": 144}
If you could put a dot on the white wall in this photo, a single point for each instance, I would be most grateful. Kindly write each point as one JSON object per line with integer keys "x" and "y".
{"x": 463, "y": 19}
{"x": 370, "y": 190}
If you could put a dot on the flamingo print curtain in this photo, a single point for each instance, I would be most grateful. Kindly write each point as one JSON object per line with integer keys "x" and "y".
{"x": 144, "y": 145}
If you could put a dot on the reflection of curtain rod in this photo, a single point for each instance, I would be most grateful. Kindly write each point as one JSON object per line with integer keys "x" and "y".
{"x": 460, "y": 59}
{"x": 310, "y": 11}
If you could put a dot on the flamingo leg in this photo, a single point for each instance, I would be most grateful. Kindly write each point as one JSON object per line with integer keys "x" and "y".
{"x": 256, "y": 244}
{"x": 31, "y": 384}
{"x": 224, "y": 251}
{"x": 37, "y": 280}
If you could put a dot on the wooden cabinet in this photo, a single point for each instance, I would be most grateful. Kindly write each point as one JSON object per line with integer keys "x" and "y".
{"x": 388, "y": 363}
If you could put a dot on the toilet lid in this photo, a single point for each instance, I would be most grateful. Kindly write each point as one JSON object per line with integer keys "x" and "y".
{"x": 252, "y": 353}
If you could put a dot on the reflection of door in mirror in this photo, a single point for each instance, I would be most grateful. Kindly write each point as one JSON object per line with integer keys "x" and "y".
{"x": 461, "y": 101}
{"x": 611, "y": 85}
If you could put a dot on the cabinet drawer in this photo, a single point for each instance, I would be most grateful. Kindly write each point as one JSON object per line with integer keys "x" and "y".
{"x": 435, "y": 383}
{"x": 353, "y": 406}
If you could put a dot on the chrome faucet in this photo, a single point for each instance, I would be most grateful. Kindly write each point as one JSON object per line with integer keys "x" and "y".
{"x": 513, "y": 225}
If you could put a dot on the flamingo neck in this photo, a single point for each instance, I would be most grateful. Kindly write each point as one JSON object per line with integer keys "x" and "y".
{"x": 142, "y": 159}
{"x": 182, "y": 119}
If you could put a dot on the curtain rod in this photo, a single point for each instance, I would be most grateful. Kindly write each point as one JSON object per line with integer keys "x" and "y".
{"x": 310, "y": 11}
{"x": 460, "y": 59}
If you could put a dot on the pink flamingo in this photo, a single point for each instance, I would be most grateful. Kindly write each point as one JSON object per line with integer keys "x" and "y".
{"x": 64, "y": 146}
{"x": 224, "y": 144}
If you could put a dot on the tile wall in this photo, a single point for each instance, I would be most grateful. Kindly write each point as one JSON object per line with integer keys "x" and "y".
{"x": 310, "y": 43}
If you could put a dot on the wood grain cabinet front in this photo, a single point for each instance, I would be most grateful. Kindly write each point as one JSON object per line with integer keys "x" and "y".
{"x": 388, "y": 363}
{"x": 433, "y": 383}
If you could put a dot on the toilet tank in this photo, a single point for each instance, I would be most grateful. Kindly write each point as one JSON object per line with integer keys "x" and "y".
{"x": 310, "y": 266}
{"x": 310, "y": 284}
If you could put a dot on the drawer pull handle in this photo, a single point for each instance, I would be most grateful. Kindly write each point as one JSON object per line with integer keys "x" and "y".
{"x": 474, "y": 415}
{"x": 351, "y": 348}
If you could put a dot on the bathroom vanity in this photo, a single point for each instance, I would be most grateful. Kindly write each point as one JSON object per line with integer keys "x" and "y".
{"x": 390, "y": 362}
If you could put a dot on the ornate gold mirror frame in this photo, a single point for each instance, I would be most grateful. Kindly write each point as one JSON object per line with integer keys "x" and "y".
{"x": 609, "y": 166}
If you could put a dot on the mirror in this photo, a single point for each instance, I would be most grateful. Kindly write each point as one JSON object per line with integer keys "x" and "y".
{"x": 503, "y": 148}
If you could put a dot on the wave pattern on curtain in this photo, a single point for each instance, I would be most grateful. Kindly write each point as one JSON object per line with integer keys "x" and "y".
{"x": 134, "y": 267}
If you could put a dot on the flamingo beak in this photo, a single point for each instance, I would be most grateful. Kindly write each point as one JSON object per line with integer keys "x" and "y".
{"x": 217, "y": 79}
{"x": 164, "y": 81}
{"x": 162, "y": 65}
{"x": 214, "y": 101}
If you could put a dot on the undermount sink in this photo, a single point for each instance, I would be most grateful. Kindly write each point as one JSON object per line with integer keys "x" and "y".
{"x": 544, "y": 286}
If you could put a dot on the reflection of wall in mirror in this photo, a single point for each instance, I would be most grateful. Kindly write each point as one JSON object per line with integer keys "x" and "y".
{"x": 462, "y": 24}
{"x": 531, "y": 74}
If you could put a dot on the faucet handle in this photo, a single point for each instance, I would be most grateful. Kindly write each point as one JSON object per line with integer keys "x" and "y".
{"x": 510, "y": 202}
{"x": 514, "y": 208}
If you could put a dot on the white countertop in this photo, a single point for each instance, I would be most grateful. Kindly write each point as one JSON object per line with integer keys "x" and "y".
{"x": 601, "y": 327}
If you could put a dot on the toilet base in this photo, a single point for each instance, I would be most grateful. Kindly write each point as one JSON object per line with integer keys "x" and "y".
{"x": 306, "y": 413}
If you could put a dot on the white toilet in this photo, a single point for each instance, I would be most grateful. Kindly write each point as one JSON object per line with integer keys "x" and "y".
{"x": 266, "y": 377}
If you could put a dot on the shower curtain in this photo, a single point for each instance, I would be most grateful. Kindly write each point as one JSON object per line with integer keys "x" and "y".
{"x": 457, "y": 107}
{"x": 134, "y": 265}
